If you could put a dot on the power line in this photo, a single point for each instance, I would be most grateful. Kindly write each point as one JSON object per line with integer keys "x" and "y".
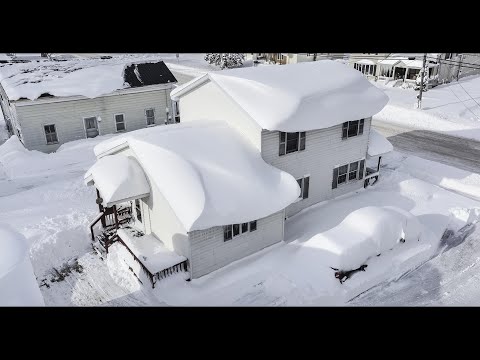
{"x": 471, "y": 97}
{"x": 463, "y": 103}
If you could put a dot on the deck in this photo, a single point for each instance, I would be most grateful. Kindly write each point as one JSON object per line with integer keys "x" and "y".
{"x": 154, "y": 258}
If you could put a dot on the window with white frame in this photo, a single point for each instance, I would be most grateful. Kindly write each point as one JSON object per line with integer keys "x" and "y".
{"x": 279, "y": 56}
{"x": 347, "y": 173}
{"x": 291, "y": 142}
{"x": 120, "y": 122}
{"x": 352, "y": 128}
{"x": 150, "y": 115}
{"x": 51, "y": 134}
{"x": 304, "y": 184}
{"x": 234, "y": 230}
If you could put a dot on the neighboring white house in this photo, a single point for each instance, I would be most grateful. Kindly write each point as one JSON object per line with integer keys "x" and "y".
{"x": 256, "y": 145}
{"x": 292, "y": 58}
{"x": 49, "y": 103}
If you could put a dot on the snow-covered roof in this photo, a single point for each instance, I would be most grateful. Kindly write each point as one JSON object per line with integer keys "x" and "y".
{"x": 297, "y": 97}
{"x": 389, "y": 62}
{"x": 5, "y": 57}
{"x": 84, "y": 77}
{"x": 118, "y": 178}
{"x": 365, "y": 62}
{"x": 378, "y": 144}
{"x": 13, "y": 249}
{"x": 209, "y": 174}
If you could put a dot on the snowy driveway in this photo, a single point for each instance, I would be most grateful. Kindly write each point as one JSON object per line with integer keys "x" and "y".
{"x": 449, "y": 279}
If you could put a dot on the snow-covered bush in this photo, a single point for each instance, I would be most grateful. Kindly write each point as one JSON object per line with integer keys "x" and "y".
{"x": 225, "y": 60}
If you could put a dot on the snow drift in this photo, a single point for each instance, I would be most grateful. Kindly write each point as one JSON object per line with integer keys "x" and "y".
{"x": 209, "y": 174}
{"x": 298, "y": 97}
{"x": 364, "y": 233}
{"x": 18, "y": 285}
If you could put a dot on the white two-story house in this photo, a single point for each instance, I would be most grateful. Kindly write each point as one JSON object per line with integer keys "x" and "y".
{"x": 254, "y": 147}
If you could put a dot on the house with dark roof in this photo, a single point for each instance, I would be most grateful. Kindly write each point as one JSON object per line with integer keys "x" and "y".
{"x": 49, "y": 103}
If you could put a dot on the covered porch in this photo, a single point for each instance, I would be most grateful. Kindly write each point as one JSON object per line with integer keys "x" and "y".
{"x": 121, "y": 183}
{"x": 378, "y": 146}
{"x": 404, "y": 71}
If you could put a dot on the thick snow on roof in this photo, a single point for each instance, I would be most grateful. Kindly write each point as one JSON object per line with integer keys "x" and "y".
{"x": 118, "y": 178}
{"x": 389, "y": 62}
{"x": 86, "y": 77}
{"x": 13, "y": 249}
{"x": 18, "y": 285}
{"x": 299, "y": 97}
{"x": 209, "y": 174}
{"x": 378, "y": 144}
{"x": 364, "y": 233}
{"x": 365, "y": 62}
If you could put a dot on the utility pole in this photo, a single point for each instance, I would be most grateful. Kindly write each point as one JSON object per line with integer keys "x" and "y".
{"x": 421, "y": 81}
{"x": 459, "y": 66}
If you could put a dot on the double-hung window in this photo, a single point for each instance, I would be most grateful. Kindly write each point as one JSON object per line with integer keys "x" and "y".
{"x": 176, "y": 107}
{"x": 352, "y": 128}
{"x": 347, "y": 173}
{"x": 51, "y": 134}
{"x": 234, "y": 230}
{"x": 138, "y": 210}
{"x": 291, "y": 142}
{"x": 120, "y": 122}
{"x": 150, "y": 115}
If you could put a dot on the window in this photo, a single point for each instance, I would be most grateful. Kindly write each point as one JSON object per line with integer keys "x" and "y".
{"x": 349, "y": 172}
{"x": 304, "y": 184}
{"x": 150, "y": 115}
{"x": 138, "y": 210}
{"x": 120, "y": 122}
{"x": 352, "y": 128}
{"x": 234, "y": 230}
{"x": 176, "y": 107}
{"x": 412, "y": 74}
{"x": 51, "y": 134}
{"x": 291, "y": 142}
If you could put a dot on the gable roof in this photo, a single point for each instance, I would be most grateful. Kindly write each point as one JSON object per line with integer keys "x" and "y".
{"x": 206, "y": 187}
{"x": 297, "y": 97}
{"x": 81, "y": 77}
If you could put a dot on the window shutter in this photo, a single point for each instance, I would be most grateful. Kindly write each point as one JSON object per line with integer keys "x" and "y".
{"x": 303, "y": 139}
{"x": 345, "y": 130}
{"x": 306, "y": 185}
{"x": 360, "y": 127}
{"x": 362, "y": 166}
{"x": 281, "y": 148}
{"x": 335, "y": 176}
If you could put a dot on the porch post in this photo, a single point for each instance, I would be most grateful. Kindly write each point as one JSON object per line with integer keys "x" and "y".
{"x": 100, "y": 207}
{"x": 116, "y": 217}
{"x": 406, "y": 73}
{"x": 379, "y": 160}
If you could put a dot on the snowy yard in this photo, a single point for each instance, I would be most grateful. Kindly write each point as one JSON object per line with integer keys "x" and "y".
{"x": 44, "y": 197}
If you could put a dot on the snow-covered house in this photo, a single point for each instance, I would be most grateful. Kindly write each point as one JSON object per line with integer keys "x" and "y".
{"x": 291, "y": 58}
{"x": 255, "y": 146}
{"x": 49, "y": 103}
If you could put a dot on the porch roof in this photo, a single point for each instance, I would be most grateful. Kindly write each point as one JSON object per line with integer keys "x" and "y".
{"x": 378, "y": 144}
{"x": 118, "y": 178}
{"x": 365, "y": 62}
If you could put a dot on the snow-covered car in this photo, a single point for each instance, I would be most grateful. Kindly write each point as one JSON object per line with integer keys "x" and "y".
{"x": 364, "y": 233}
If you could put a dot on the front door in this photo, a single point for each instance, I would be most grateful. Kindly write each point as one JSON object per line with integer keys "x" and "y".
{"x": 91, "y": 127}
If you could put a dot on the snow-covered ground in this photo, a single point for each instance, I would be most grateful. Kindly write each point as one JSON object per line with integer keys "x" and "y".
{"x": 44, "y": 198}
{"x": 452, "y": 108}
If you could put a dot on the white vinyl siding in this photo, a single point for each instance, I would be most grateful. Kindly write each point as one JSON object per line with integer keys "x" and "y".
{"x": 68, "y": 116}
{"x": 324, "y": 150}
{"x": 209, "y": 250}
{"x": 210, "y": 102}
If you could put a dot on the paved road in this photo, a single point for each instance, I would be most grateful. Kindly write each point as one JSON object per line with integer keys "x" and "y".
{"x": 449, "y": 150}
{"x": 450, "y": 279}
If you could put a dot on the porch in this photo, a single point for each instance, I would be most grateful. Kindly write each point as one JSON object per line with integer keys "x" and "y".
{"x": 378, "y": 146}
